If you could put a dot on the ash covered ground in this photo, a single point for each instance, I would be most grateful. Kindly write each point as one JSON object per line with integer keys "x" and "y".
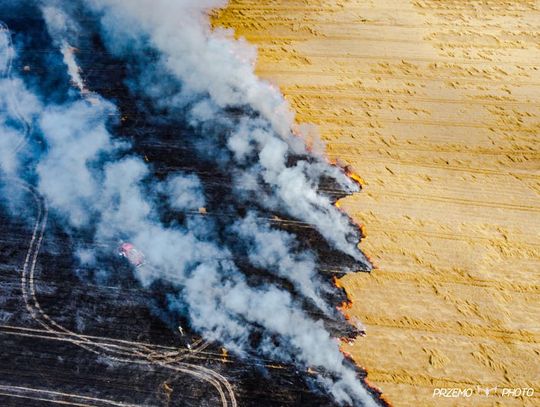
{"x": 95, "y": 336}
{"x": 94, "y": 362}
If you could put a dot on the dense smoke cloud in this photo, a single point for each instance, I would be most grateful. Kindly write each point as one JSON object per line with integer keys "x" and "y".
{"x": 216, "y": 73}
{"x": 76, "y": 135}
{"x": 96, "y": 182}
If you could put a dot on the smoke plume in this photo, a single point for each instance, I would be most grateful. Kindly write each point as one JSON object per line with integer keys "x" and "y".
{"x": 184, "y": 73}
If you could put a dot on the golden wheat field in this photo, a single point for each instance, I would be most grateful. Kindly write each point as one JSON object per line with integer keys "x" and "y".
{"x": 436, "y": 104}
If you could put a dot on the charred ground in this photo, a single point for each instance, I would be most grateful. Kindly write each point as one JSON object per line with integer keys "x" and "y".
{"x": 104, "y": 305}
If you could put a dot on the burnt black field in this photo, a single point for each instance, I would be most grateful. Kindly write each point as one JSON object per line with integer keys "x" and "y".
{"x": 79, "y": 358}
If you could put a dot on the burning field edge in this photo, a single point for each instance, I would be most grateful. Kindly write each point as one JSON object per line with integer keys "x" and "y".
{"x": 362, "y": 229}
{"x": 436, "y": 104}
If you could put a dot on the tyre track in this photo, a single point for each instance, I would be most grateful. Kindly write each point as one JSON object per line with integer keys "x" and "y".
{"x": 53, "y": 396}
{"x": 135, "y": 352}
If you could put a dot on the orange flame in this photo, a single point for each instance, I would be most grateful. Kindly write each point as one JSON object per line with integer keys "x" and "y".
{"x": 345, "y": 305}
{"x": 354, "y": 176}
{"x": 347, "y": 354}
{"x": 344, "y": 308}
{"x": 361, "y": 227}
{"x": 337, "y": 283}
{"x": 224, "y": 355}
{"x": 363, "y": 230}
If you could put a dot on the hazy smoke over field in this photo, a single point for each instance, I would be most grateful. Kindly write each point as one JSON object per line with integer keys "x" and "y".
{"x": 185, "y": 70}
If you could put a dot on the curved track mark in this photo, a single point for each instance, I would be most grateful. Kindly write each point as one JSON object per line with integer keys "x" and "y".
{"x": 135, "y": 352}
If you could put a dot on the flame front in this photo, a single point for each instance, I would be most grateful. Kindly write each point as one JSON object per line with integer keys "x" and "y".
{"x": 354, "y": 176}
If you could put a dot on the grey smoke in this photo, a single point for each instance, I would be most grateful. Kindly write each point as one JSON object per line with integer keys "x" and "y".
{"x": 18, "y": 108}
{"x": 185, "y": 192}
{"x": 76, "y": 135}
{"x": 93, "y": 180}
{"x": 270, "y": 249}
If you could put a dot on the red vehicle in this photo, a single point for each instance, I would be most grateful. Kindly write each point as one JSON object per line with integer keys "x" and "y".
{"x": 129, "y": 251}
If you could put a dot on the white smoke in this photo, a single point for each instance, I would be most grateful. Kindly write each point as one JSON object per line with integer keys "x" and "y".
{"x": 73, "y": 69}
{"x": 210, "y": 62}
{"x": 270, "y": 249}
{"x": 18, "y": 108}
{"x": 76, "y": 135}
{"x": 60, "y": 27}
{"x": 185, "y": 192}
{"x": 14, "y": 123}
